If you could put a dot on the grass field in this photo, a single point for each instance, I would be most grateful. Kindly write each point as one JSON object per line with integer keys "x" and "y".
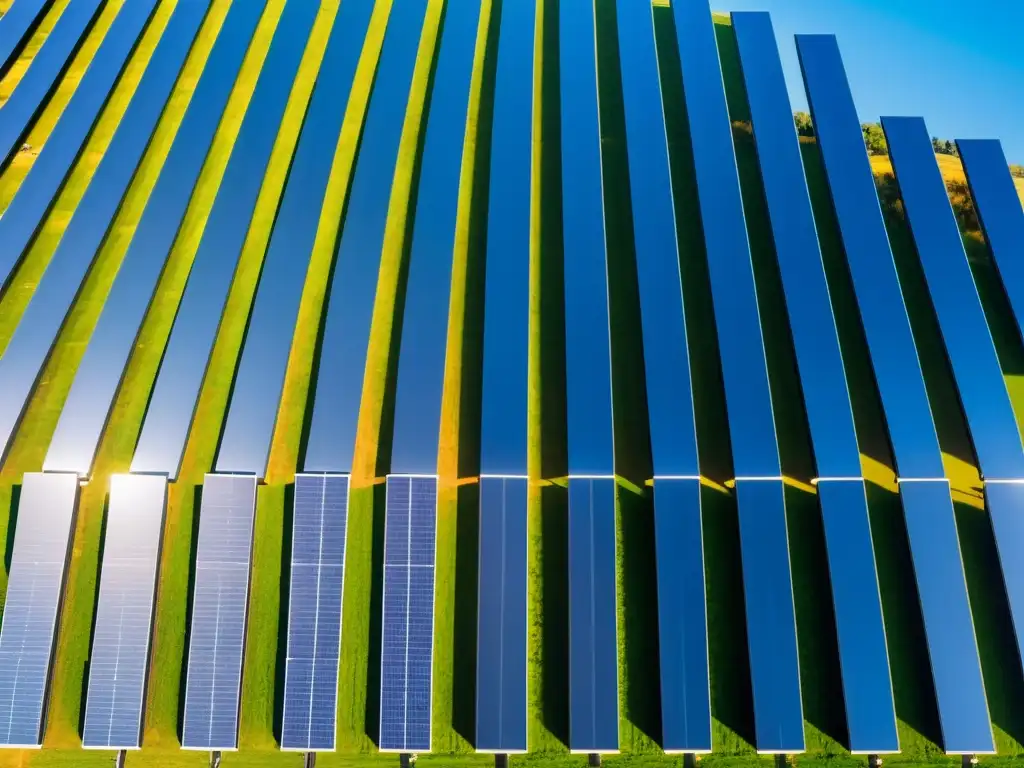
{"x": 456, "y": 550}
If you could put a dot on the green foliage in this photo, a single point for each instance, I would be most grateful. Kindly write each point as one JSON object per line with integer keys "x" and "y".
{"x": 874, "y": 138}
{"x": 804, "y": 125}
{"x": 945, "y": 147}
{"x": 1017, "y": 171}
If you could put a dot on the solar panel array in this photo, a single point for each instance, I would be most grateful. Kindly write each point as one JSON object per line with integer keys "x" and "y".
{"x": 42, "y": 543}
{"x": 470, "y": 193}
{"x": 220, "y": 602}
{"x": 119, "y": 662}
{"x": 407, "y": 635}
{"x": 316, "y": 578}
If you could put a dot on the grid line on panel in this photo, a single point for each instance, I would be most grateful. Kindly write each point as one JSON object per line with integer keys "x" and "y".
{"x": 408, "y": 615}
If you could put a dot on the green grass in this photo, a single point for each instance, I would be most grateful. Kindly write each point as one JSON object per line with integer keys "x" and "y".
{"x": 457, "y": 534}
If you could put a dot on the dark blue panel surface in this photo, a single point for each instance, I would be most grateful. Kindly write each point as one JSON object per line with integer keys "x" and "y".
{"x": 30, "y": 345}
{"x": 42, "y": 543}
{"x": 119, "y": 662}
{"x": 666, "y": 355}
{"x": 952, "y": 647}
{"x": 99, "y": 374}
{"x": 883, "y": 313}
{"x": 349, "y": 305}
{"x": 220, "y": 602}
{"x": 165, "y": 431}
{"x": 319, "y": 528}
{"x": 588, "y": 374}
{"x": 407, "y": 641}
{"x": 593, "y": 645}
{"x": 1002, "y": 217}
{"x": 16, "y": 26}
{"x": 38, "y": 191}
{"x": 1005, "y": 502}
{"x": 969, "y": 346}
{"x": 507, "y": 284}
{"x": 501, "y": 617}
{"x": 815, "y": 340}
{"x": 863, "y": 655}
{"x": 30, "y": 95}
{"x": 771, "y": 620}
{"x": 744, "y": 369}
{"x": 421, "y": 359}
{"x": 682, "y": 617}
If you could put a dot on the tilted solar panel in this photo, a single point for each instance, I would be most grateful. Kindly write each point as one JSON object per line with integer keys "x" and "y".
{"x": 29, "y": 346}
{"x": 119, "y": 662}
{"x": 408, "y": 627}
{"x": 220, "y": 603}
{"x": 37, "y": 194}
{"x": 17, "y": 26}
{"x": 319, "y": 525}
{"x": 35, "y": 588}
{"x": 44, "y": 70}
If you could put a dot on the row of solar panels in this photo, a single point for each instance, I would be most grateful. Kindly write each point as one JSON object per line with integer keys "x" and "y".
{"x": 116, "y": 686}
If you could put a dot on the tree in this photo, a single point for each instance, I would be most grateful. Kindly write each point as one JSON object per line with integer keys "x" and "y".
{"x": 874, "y": 138}
{"x": 804, "y": 125}
{"x": 1017, "y": 170}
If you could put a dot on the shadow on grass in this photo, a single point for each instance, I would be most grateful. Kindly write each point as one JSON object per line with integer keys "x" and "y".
{"x": 12, "y": 527}
{"x": 197, "y": 503}
{"x": 87, "y": 667}
{"x": 373, "y": 672}
{"x": 467, "y": 534}
{"x": 280, "y": 664}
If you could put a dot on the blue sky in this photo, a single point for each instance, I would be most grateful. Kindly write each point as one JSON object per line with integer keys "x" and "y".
{"x": 958, "y": 64}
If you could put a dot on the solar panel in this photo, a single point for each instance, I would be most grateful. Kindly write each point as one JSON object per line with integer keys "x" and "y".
{"x": 408, "y": 627}
{"x": 346, "y": 335}
{"x": 119, "y": 662}
{"x": 771, "y": 633}
{"x": 421, "y": 358}
{"x": 593, "y": 644}
{"x": 29, "y": 346}
{"x": 314, "y": 612}
{"x": 35, "y": 588}
{"x": 867, "y": 683}
{"x": 169, "y": 417}
{"x": 44, "y": 70}
{"x": 588, "y": 370}
{"x": 18, "y": 25}
{"x": 38, "y": 191}
{"x": 506, "y": 331}
{"x": 99, "y": 374}
{"x": 1000, "y": 213}
{"x": 219, "y": 609}
{"x": 927, "y": 505}
{"x": 501, "y": 641}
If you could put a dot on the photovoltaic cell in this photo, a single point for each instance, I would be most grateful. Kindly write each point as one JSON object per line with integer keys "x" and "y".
{"x": 319, "y": 526}
{"x": 119, "y": 662}
{"x": 421, "y": 359}
{"x": 501, "y": 617}
{"x": 44, "y": 71}
{"x": 1001, "y": 215}
{"x": 593, "y": 647}
{"x": 507, "y": 272}
{"x": 99, "y": 375}
{"x": 169, "y": 418}
{"x": 408, "y": 627}
{"x": 16, "y": 26}
{"x": 219, "y": 609}
{"x": 927, "y": 505}
{"x": 867, "y": 684}
{"x": 349, "y": 305}
{"x": 30, "y": 345}
{"x": 768, "y": 591}
{"x": 42, "y": 543}
{"x": 38, "y": 191}
{"x": 588, "y": 374}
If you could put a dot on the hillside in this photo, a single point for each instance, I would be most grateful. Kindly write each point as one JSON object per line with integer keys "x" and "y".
{"x": 456, "y": 548}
